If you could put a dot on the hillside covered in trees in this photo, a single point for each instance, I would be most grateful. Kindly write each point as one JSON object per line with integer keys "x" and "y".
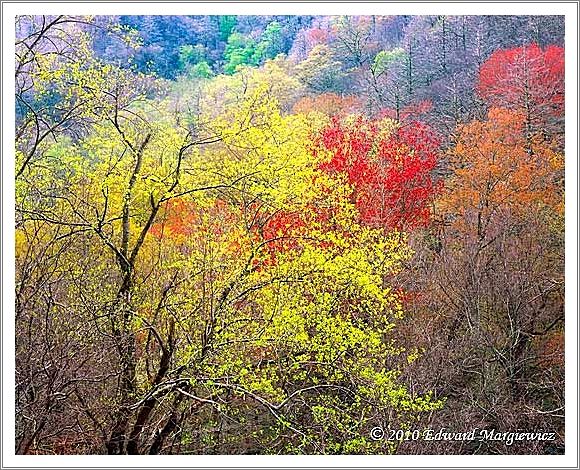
{"x": 289, "y": 234}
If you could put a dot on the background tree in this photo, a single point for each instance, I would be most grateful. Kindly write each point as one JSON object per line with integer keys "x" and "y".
{"x": 321, "y": 71}
{"x": 330, "y": 104}
{"x": 240, "y": 50}
{"x": 271, "y": 43}
{"x": 530, "y": 80}
{"x": 387, "y": 78}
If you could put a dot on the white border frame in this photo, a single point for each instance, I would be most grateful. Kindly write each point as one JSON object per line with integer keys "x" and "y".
{"x": 569, "y": 9}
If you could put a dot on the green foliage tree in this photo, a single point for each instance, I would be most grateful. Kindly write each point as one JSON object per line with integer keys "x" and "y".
{"x": 271, "y": 43}
{"x": 191, "y": 55}
{"x": 193, "y": 61}
{"x": 384, "y": 60}
{"x": 227, "y": 23}
{"x": 201, "y": 70}
{"x": 239, "y": 50}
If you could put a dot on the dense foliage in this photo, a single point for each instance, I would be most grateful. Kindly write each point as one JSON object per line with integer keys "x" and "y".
{"x": 272, "y": 234}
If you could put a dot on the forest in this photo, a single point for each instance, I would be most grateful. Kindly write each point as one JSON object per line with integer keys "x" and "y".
{"x": 277, "y": 234}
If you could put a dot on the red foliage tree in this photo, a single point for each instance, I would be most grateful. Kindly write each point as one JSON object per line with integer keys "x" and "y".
{"x": 527, "y": 79}
{"x": 285, "y": 230}
{"x": 282, "y": 230}
{"x": 390, "y": 172}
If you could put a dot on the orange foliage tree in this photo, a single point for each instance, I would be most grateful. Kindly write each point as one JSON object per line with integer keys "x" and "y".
{"x": 330, "y": 104}
{"x": 495, "y": 277}
{"x": 497, "y": 175}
